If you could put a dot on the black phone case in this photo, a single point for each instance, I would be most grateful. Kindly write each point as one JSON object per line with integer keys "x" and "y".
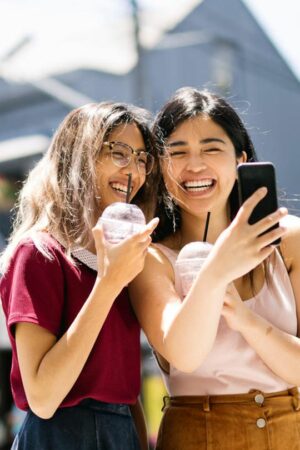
{"x": 252, "y": 176}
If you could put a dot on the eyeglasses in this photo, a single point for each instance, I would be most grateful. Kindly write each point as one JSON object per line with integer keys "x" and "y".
{"x": 121, "y": 156}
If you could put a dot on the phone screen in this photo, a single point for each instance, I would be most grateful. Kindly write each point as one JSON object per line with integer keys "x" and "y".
{"x": 252, "y": 176}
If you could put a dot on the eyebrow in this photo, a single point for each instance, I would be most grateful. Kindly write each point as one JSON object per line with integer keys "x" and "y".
{"x": 203, "y": 141}
{"x": 142, "y": 149}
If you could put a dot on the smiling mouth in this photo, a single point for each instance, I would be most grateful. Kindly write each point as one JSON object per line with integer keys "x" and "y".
{"x": 120, "y": 188}
{"x": 199, "y": 185}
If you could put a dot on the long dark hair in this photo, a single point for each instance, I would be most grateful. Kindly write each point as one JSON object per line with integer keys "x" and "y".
{"x": 185, "y": 104}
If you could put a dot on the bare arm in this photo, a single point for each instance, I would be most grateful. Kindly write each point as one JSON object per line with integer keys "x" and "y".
{"x": 164, "y": 317}
{"x": 50, "y": 367}
{"x": 278, "y": 349}
{"x": 174, "y": 326}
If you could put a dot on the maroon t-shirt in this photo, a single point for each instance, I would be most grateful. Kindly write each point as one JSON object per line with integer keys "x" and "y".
{"x": 50, "y": 293}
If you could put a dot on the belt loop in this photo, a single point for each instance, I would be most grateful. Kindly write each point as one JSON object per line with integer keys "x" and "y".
{"x": 206, "y": 405}
{"x": 296, "y": 399}
{"x": 166, "y": 402}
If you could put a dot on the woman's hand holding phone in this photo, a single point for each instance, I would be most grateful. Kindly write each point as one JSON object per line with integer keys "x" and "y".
{"x": 243, "y": 246}
{"x": 252, "y": 176}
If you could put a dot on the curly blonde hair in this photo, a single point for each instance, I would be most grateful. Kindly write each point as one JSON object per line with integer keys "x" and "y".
{"x": 60, "y": 195}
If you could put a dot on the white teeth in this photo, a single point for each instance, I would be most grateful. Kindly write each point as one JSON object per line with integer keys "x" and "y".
{"x": 120, "y": 187}
{"x": 198, "y": 185}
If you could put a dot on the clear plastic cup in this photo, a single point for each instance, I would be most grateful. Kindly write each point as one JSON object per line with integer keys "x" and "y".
{"x": 121, "y": 220}
{"x": 189, "y": 261}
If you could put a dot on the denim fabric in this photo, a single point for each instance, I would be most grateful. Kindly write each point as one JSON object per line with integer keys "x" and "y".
{"x": 92, "y": 425}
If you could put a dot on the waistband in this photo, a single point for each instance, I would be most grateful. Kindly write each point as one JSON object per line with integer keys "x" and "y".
{"x": 97, "y": 405}
{"x": 254, "y": 395}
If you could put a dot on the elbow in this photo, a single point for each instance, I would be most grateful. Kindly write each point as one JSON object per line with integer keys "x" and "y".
{"x": 184, "y": 360}
{"x": 42, "y": 411}
{"x": 43, "y": 414}
{"x": 185, "y": 366}
{"x": 41, "y": 407}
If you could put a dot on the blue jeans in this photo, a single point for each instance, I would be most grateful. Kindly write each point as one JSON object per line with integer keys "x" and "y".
{"x": 92, "y": 425}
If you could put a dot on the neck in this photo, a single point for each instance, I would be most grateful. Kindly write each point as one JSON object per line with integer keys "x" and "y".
{"x": 193, "y": 227}
{"x": 91, "y": 248}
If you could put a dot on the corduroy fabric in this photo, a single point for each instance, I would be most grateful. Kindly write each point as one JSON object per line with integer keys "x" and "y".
{"x": 253, "y": 421}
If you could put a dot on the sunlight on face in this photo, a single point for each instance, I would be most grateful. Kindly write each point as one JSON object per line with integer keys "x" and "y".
{"x": 199, "y": 167}
{"x": 112, "y": 179}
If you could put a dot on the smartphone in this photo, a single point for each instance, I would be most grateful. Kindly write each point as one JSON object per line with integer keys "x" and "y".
{"x": 252, "y": 176}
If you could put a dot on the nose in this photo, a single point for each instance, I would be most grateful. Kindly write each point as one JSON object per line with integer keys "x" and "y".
{"x": 131, "y": 168}
{"x": 196, "y": 162}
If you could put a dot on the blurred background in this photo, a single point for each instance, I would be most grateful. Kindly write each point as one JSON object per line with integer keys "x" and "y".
{"x": 57, "y": 55}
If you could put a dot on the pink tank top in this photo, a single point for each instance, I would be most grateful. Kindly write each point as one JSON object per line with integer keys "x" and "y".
{"x": 232, "y": 366}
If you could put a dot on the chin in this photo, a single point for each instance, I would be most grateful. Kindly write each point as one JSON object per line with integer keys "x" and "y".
{"x": 197, "y": 211}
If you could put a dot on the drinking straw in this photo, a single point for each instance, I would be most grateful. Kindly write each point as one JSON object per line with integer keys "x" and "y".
{"x": 206, "y": 226}
{"x": 128, "y": 187}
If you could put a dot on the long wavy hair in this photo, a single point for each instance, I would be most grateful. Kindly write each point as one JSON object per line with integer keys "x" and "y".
{"x": 60, "y": 195}
{"x": 188, "y": 103}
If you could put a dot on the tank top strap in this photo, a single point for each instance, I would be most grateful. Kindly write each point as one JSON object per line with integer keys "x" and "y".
{"x": 279, "y": 278}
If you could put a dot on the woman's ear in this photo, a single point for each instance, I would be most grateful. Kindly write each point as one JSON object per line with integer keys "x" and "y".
{"x": 242, "y": 158}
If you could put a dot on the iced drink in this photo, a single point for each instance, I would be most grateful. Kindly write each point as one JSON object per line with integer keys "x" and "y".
{"x": 121, "y": 220}
{"x": 189, "y": 261}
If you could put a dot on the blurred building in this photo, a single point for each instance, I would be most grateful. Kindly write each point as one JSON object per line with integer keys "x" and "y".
{"x": 143, "y": 57}
{"x": 203, "y": 44}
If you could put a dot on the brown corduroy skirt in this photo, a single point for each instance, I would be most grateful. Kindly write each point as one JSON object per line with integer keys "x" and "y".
{"x": 254, "y": 421}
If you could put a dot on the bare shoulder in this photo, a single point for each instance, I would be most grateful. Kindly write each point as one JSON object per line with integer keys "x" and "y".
{"x": 157, "y": 260}
{"x": 290, "y": 221}
{"x": 290, "y": 245}
{"x": 156, "y": 253}
{"x": 292, "y": 225}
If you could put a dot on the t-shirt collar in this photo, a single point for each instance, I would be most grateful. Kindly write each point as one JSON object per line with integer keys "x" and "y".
{"x": 86, "y": 257}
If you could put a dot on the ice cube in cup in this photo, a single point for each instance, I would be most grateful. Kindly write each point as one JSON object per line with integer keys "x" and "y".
{"x": 189, "y": 261}
{"x": 121, "y": 220}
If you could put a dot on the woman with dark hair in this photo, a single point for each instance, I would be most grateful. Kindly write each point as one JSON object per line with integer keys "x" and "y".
{"x": 228, "y": 350}
{"x": 74, "y": 336}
